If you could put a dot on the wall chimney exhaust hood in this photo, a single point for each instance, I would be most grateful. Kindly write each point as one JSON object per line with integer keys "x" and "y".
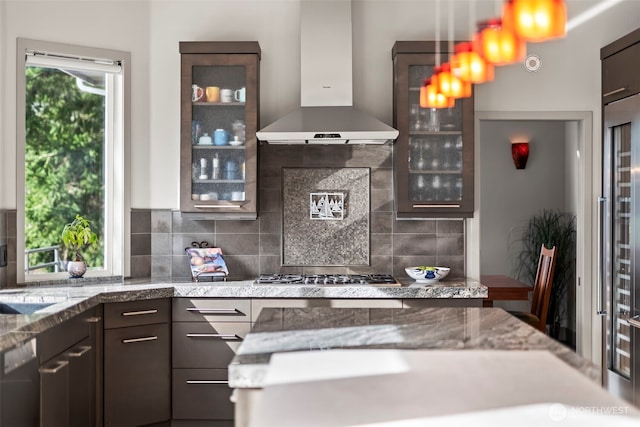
{"x": 326, "y": 115}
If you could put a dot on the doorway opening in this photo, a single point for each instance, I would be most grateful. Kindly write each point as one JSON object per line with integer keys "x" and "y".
{"x": 559, "y": 175}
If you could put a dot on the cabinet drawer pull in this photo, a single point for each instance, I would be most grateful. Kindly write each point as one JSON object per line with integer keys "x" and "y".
{"x": 214, "y": 206}
{"x": 142, "y": 339}
{"x": 139, "y": 313}
{"x": 436, "y": 206}
{"x": 95, "y": 319}
{"x": 613, "y": 92}
{"x": 78, "y": 353}
{"x": 206, "y": 382}
{"x": 634, "y": 321}
{"x": 61, "y": 364}
{"x": 221, "y": 336}
{"x": 215, "y": 310}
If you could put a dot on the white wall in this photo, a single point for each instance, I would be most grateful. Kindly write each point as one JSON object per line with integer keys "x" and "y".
{"x": 151, "y": 29}
{"x": 510, "y": 197}
{"x": 110, "y": 24}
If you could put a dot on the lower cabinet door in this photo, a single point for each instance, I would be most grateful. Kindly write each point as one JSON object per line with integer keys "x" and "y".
{"x": 20, "y": 386}
{"x": 54, "y": 393}
{"x": 201, "y": 394}
{"x": 137, "y": 374}
{"x": 82, "y": 384}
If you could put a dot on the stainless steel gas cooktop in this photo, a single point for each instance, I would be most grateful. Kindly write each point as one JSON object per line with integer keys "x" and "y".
{"x": 327, "y": 279}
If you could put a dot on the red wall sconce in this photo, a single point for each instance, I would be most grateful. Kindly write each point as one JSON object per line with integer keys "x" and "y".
{"x": 520, "y": 153}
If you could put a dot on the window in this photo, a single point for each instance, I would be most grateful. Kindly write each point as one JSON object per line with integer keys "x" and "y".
{"x": 72, "y": 156}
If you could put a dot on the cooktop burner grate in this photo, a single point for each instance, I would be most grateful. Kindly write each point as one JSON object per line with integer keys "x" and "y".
{"x": 328, "y": 279}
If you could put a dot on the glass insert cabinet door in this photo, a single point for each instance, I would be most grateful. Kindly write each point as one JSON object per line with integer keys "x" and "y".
{"x": 219, "y": 119}
{"x": 434, "y": 152}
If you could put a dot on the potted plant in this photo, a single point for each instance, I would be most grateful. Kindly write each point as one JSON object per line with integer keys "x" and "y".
{"x": 551, "y": 228}
{"x": 75, "y": 236}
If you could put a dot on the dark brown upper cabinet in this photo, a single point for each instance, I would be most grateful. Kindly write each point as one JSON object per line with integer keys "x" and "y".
{"x": 219, "y": 98}
{"x": 620, "y": 62}
{"x": 433, "y": 155}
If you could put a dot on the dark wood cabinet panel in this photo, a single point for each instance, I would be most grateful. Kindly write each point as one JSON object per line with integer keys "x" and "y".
{"x": 137, "y": 362}
{"x": 70, "y": 374}
{"x": 434, "y": 153}
{"x": 206, "y": 333}
{"x": 201, "y": 394}
{"x": 211, "y": 310}
{"x": 134, "y": 313}
{"x": 620, "y": 61}
{"x": 137, "y": 375}
{"x": 20, "y": 386}
{"x": 206, "y": 344}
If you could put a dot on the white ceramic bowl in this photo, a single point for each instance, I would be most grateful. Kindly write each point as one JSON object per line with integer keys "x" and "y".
{"x": 426, "y": 274}
{"x": 235, "y": 142}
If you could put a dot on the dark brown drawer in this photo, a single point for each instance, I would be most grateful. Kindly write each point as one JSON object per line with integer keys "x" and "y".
{"x": 135, "y": 313}
{"x": 211, "y": 310}
{"x": 619, "y": 74}
{"x": 59, "y": 338}
{"x": 137, "y": 377}
{"x": 201, "y": 394}
{"x": 206, "y": 344}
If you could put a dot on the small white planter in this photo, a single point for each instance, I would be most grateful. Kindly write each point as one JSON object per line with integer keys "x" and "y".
{"x": 76, "y": 269}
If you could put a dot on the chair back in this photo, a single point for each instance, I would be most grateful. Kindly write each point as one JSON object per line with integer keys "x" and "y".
{"x": 542, "y": 285}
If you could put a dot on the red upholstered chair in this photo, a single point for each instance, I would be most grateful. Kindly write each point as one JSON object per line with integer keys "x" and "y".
{"x": 541, "y": 291}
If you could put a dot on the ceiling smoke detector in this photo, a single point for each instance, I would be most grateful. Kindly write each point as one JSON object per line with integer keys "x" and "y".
{"x": 532, "y": 63}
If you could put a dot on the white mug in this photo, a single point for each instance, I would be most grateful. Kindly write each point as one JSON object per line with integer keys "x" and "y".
{"x": 240, "y": 95}
{"x": 197, "y": 93}
{"x": 226, "y": 95}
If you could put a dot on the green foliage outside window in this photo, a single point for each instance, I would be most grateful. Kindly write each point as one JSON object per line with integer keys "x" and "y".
{"x": 64, "y": 161}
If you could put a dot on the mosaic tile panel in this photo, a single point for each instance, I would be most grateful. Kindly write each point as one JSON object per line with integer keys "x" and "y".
{"x": 309, "y": 242}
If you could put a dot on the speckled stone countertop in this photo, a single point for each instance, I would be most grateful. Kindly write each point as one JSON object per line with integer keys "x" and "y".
{"x": 72, "y": 297}
{"x": 300, "y": 329}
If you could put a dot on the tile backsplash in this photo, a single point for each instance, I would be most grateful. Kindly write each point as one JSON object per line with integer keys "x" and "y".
{"x": 159, "y": 236}
{"x": 254, "y": 247}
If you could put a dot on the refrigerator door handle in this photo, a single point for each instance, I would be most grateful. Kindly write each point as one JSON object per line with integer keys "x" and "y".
{"x": 601, "y": 310}
{"x": 635, "y": 321}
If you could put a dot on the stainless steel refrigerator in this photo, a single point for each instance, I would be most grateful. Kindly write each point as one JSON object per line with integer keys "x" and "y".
{"x": 619, "y": 294}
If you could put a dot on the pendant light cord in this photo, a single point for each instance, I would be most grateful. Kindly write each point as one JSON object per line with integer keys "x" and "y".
{"x": 451, "y": 32}
{"x": 437, "y": 26}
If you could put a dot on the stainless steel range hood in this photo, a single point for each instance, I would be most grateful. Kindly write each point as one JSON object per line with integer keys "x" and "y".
{"x": 326, "y": 115}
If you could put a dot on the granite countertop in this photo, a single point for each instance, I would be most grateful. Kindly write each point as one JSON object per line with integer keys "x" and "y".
{"x": 452, "y": 328}
{"x": 71, "y": 297}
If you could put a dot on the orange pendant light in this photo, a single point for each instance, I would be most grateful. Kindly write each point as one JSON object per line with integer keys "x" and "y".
{"x": 451, "y": 86}
{"x": 430, "y": 98}
{"x": 468, "y": 65}
{"x": 535, "y": 20}
{"x": 497, "y": 44}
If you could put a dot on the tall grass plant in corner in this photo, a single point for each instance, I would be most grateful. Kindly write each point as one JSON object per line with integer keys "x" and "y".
{"x": 551, "y": 228}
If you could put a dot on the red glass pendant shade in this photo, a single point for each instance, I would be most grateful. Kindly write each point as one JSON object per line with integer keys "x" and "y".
{"x": 468, "y": 65}
{"x": 451, "y": 86}
{"x": 497, "y": 44}
{"x": 535, "y": 20}
{"x": 520, "y": 154}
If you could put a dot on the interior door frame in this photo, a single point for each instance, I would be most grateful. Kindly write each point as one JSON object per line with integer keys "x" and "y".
{"x": 589, "y": 170}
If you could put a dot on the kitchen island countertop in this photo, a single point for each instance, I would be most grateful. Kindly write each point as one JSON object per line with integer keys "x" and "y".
{"x": 452, "y": 328}
{"x": 72, "y": 297}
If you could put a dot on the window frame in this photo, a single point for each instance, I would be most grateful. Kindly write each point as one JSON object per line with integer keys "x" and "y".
{"x": 117, "y": 231}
